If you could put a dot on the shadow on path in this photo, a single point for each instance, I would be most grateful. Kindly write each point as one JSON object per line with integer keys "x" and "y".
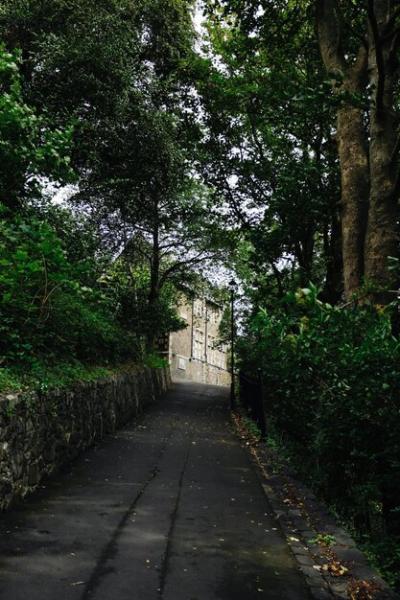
{"x": 169, "y": 508}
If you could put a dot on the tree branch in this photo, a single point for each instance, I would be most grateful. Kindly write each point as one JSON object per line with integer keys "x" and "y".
{"x": 199, "y": 258}
{"x": 328, "y": 26}
{"x": 389, "y": 30}
{"x": 239, "y": 214}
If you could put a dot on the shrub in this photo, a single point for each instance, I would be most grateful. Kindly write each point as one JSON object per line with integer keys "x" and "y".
{"x": 45, "y": 307}
{"x": 332, "y": 380}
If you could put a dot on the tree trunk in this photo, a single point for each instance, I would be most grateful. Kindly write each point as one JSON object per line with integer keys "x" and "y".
{"x": 382, "y": 232}
{"x": 354, "y": 169}
{"x": 154, "y": 272}
{"x": 304, "y": 252}
{"x": 351, "y": 138}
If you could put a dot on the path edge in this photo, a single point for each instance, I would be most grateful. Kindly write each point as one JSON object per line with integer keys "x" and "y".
{"x": 300, "y": 523}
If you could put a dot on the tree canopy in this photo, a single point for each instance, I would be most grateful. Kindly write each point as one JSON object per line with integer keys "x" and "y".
{"x": 136, "y": 150}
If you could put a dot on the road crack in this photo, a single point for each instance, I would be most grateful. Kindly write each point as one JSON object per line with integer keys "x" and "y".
{"x": 174, "y": 514}
{"x": 110, "y": 549}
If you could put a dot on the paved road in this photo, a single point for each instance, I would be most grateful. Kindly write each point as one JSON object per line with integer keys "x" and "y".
{"x": 169, "y": 508}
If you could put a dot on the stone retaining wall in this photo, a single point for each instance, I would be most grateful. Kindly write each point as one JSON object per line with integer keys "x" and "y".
{"x": 39, "y": 432}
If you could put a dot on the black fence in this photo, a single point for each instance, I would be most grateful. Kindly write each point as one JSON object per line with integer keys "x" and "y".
{"x": 251, "y": 395}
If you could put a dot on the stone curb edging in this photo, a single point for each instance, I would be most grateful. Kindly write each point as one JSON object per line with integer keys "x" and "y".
{"x": 301, "y": 518}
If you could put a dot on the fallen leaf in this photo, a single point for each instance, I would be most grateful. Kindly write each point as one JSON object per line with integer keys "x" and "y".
{"x": 335, "y": 568}
{"x": 361, "y": 589}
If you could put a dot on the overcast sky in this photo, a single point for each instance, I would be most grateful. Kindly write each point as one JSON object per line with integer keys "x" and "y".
{"x": 198, "y": 17}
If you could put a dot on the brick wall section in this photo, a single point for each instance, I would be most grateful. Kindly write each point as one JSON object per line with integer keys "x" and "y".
{"x": 41, "y": 432}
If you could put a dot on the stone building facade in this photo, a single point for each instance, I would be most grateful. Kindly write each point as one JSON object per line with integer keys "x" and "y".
{"x": 193, "y": 351}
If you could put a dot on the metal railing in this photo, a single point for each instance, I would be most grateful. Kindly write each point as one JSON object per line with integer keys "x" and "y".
{"x": 251, "y": 396}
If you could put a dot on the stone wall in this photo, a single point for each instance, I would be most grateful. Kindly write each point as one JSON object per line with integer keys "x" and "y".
{"x": 39, "y": 432}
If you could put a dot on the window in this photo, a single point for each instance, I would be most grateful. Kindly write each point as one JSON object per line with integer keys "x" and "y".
{"x": 182, "y": 364}
{"x": 213, "y": 314}
{"x": 198, "y": 344}
{"x": 198, "y": 308}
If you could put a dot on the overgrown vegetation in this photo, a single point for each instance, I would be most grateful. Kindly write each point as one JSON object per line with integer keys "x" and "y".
{"x": 48, "y": 305}
{"x": 91, "y": 281}
{"x": 331, "y": 379}
{"x": 301, "y": 111}
{"x": 272, "y": 145}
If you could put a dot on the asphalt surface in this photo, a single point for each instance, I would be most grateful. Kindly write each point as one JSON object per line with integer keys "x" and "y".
{"x": 169, "y": 508}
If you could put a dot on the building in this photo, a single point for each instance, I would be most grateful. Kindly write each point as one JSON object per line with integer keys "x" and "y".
{"x": 193, "y": 351}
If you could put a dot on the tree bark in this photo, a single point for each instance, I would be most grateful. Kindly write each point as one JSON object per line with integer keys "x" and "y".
{"x": 154, "y": 269}
{"x": 353, "y": 157}
{"x": 382, "y": 230}
{"x": 304, "y": 252}
{"x": 351, "y": 139}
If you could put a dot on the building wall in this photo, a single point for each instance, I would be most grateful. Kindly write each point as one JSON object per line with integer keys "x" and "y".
{"x": 193, "y": 354}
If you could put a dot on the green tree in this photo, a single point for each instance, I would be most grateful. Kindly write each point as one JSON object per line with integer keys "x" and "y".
{"x": 359, "y": 45}
{"x": 31, "y": 147}
{"x": 268, "y": 145}
{"x": 121, "y": 71}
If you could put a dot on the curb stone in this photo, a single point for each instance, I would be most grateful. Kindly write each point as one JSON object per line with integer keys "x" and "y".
{"x": 301, "y": 520}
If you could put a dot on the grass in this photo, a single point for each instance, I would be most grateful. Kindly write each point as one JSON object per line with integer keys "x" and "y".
{"x": 41, "y": 376}
{"x": 9, "y": 381}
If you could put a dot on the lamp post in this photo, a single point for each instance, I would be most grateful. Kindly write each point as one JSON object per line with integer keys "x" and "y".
{"x": 232, "y": 286}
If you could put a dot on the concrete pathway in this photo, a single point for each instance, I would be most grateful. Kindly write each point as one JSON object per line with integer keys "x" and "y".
{"x": 169, "y": 508}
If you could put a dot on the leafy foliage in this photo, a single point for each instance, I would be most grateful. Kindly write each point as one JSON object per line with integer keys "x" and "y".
{"x": 30, "y": 147}
{"x": 113, "y": 71}
{"x": 332, "y": 377}
{"x": 128, "y": 285}
{"x": 180, "y": 156}
{"x": 269, "y": 150}
{"x": 64, "y": 308}
{"x": 46, "y": 308}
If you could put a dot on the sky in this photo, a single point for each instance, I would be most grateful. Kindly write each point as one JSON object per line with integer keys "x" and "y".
{"x": 198, "y": 18}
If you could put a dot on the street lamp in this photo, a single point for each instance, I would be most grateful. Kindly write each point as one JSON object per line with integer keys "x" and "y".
{"x": 232, "y": 287}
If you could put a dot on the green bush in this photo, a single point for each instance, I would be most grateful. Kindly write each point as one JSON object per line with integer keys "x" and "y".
{"x": 154, "y": 361}
{"x": 46, "y": 307}
{"x": 332, "y": 380}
